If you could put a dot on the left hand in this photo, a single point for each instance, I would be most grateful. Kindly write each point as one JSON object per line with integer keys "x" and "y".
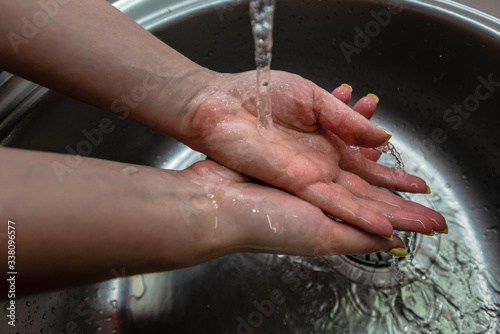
{"x": 248, "y": 216}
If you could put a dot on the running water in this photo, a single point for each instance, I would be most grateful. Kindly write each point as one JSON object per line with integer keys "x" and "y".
{"x": 409, "y": 238}
{"x": 392, "y": 151}
{"x": 261, "y": 14}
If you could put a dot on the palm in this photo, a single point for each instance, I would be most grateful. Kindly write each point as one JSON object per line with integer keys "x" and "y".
{"x": 307, "y": 152}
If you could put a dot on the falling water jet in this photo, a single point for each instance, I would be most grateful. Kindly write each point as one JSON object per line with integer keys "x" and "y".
{"x": 262, "y": 14}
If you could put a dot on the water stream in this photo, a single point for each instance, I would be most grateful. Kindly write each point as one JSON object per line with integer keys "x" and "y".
{"x": 399, "y": 276}
{"x": 262, "y": 15}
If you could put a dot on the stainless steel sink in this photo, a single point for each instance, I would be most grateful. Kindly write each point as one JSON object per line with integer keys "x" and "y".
{"x": 424, "y": 59}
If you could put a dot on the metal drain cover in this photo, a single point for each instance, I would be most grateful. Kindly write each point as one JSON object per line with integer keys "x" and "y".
{"x": 375, "y": 260}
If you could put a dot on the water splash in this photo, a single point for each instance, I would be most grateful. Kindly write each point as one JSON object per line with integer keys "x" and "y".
{"x": 391, "y": 150}
{"x": 410, "y": 241}
{"x": 262, "y": 15}
{"x": 408, "y": 238}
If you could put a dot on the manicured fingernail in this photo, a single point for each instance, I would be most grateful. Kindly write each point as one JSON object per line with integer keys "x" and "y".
{"x": 375, "y": 97}
{"x": 389, "y": 136}
{"x": 445, "y": 231}
{"x": 399, "y": 252}
{"x": 347, "y": 86}
{"x": 386, "y": 238}
{"x": 428, "y": 191}
{"x": 429, "y": 234}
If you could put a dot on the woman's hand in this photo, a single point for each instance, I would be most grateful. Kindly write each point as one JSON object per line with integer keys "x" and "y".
{"x": 249, "y": 216}
{"x": 307, "y": 152}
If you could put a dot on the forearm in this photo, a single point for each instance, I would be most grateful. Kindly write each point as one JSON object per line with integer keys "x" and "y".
{"x": 103, "y": 217}
{"x": 91, "y": 51}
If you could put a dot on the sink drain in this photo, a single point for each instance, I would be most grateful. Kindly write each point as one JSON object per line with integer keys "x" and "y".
{"x": 375, "y": 260}
{"x": 380, "y": 269}
{"x": 377, "y": 270}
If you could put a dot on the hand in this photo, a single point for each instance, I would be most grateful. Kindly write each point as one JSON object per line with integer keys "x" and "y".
{"x": 114, "y": 215}
{"x": 247, "y": 216}
{"x": 307, "y": 151}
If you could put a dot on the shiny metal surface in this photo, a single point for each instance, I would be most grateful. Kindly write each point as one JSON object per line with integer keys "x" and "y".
{"x": 430, "y": 58}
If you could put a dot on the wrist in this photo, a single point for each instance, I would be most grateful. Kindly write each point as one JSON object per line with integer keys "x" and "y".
{"x": 178, "y": 91}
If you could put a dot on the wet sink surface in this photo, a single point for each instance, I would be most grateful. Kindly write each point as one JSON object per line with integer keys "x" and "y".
{"x": 422, "y": 64}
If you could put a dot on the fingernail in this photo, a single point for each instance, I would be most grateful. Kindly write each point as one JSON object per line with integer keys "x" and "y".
{"x": 386, "y": 238}
{"x": 445, "y": 231}
{"x": 389, "y": 136}
{"x": 429, "y": 234}
{"x": 347, "y": 86}
{"x": 428, "y": 191}
{"x": 375, "y": 97}
{"x": 399, "y": 252}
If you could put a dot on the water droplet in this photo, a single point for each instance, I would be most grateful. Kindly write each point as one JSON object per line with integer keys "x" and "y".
{"x": 130, "y": 170}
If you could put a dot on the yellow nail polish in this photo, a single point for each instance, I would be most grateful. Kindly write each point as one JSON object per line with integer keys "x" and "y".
{"x": 428, "y": 191}
{"x": 347, "y": 86}
{"x": 445, "y": 231}
{"x": 429, "y": 234}
{"x": 389, "y": 136}
{"x": 399, "y": 252}
{"x": 375, "y": 97}
{"x": 386, "y": 238}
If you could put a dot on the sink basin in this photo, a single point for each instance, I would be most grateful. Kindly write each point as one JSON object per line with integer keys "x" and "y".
{"x": 434, "y": 65}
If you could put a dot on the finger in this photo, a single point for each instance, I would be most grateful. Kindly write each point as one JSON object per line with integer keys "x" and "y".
{"x": 343, "y": 93}
{"x": 382, "y": 176}
{"x": 403, "y": 214}
{"x": 329, "y": 237}
{"x": 341, "y": 203}
{"x": 366, "y": 105}
{"x": 349, "y": 125}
